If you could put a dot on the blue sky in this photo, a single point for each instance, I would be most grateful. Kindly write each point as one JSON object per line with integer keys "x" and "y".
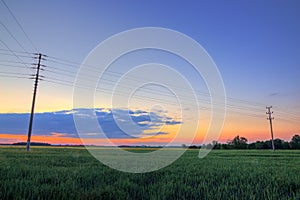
{"x": 255, "y": 44}
{"x": 248, "y": 40}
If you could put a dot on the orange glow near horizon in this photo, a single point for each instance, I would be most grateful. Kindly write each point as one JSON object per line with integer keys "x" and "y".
{"x": 14, "y": 138}
{"x": 230, "y": 130}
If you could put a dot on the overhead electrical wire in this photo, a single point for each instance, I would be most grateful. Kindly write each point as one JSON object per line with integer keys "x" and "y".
{"x": 14, "y": 73}
{"x": 13, "y": 53}
{"x": 13, "y": 76}
{"x": 232, "y": 103}
{"x": 20, "y": 26}
{"x": 252, "y": 104}
{"x": 236, "y": 105}
{"x": 245, "y": 108}
{"x": 19, "y": 52}
{"x": 10, "y": 33}
{"x": 235, "y": 108}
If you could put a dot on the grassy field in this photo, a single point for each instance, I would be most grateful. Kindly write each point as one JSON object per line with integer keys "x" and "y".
{"x": 72, "y": 173}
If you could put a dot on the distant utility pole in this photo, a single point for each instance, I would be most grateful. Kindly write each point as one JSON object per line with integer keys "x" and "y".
{"x": 33, "y": 99}
{"x": 270, "y": 118}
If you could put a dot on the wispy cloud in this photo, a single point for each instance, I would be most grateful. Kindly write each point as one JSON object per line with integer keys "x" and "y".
{"x": 274, "y": 94}
{"x": 155, "y": 134}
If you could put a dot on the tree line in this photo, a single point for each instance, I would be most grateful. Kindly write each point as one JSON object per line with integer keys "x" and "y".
{"x": 242, "y": 143}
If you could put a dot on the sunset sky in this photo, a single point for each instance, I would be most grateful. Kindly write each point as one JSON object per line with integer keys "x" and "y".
{"x": 254, "y": 44}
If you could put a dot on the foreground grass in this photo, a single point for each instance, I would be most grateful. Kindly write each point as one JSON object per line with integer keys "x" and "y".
{"x": 72, "y": 173}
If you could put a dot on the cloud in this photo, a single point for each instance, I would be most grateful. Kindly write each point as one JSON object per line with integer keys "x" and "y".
{"x": 274, "y": 94}
{"x": 8, "y": 140}
{"x": 115, "y": 123}
{"x": 60, "y": 134}
{"x": 172, "y": 122}
{"x": 157, "y": 133}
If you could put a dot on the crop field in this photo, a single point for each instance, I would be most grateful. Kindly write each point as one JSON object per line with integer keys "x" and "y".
{"x": 72, "y": 173}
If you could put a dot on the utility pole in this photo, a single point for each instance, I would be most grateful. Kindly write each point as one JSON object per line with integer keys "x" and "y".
{"x": 270, "y": 118}
{"x": 33, "y": 100}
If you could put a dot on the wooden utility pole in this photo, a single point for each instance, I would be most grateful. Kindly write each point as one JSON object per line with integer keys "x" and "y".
{"x": 33, "y": 100}
{"x": 270, "y": 118}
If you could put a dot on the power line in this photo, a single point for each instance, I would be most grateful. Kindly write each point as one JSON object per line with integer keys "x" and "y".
{"x": 16, "y": 20}
{"x": 14, "y": 66}
{"x": 12, "y": 76}
{"x": 257, "y": 110}
{"x": 10, "y": 61}
{"x": 10, "y": 33}
{"x": 69, "y": 83}
{"x": 92, "y": 69}
{"x": 234, "y": 109}
{"x": 17, "y": 56}
{"x": 162, "y": 93}
{"x": 235, "y": 105}
{"x": 13, "y": 73}
{"x": 246, "y": 105}
{"x": 19, "y": 52}
{"x": 12, "y": 52}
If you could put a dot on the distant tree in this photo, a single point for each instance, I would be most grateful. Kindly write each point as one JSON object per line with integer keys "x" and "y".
{"x": 214, "y": 142}
{"x": 239, "y": 142}
{"x": 295, "y": 142}
{"x": 193, "y": 147}
{"x": 216, "y": 145}
{"x": 251, "y": 145}
{"x": 269, "y": 144}
{"x": 278, "y": 143}
{"x": 32, "y": 144}
{"x": 225, "y": 146}
{"x": 281, "y": 144}
{"x": 209, "y": 146}
{"x": 261, "y": 145}
{"x": 286, "y": 145}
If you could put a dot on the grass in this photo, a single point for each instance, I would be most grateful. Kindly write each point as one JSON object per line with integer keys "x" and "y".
{"x": 72, "y": 173}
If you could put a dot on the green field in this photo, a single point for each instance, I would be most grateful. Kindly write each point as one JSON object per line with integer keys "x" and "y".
{"x": 72, "y": 173}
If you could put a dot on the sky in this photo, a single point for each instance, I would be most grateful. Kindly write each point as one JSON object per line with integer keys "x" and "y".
{"x": 254, "y": 44}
